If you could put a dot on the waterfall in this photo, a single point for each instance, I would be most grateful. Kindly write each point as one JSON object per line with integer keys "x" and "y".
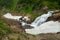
{"x": 40, "y": 25}
{"x": 41, "y": 19}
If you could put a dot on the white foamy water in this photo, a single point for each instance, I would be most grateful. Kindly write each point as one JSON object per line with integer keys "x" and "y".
{"x": 40, "y": 26}
{"x": 48, "y": 27}
{"x": 41, "y": 19}
{"x": 23, "y": 24}
{"x": 9, "y": 16}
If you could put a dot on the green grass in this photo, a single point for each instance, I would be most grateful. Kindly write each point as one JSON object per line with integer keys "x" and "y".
{"x": 5, "y": 28}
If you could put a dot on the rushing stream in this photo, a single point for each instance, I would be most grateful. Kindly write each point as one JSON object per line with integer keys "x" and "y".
{"x": 41, "y": 19}
{"x": 40, "y": 25}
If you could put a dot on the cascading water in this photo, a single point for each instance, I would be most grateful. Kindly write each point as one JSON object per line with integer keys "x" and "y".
{"x": 46, "y": 27}
{"x": 41, "y": 19}
{"x": 40, "y": 26}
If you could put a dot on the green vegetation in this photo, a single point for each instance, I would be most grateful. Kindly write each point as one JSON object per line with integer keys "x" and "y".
{"x": 8, "y": 4}
{"x": 5, "y": 28}
{"x": 28, "y": 6}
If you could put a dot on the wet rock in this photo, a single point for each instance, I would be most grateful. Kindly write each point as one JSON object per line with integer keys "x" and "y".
{"x": 27, "y": 27}
{"x": 56, "y": 16}
{"x": 57, "y": 11}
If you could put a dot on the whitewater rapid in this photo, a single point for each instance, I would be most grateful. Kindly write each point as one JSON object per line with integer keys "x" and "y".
{"x": 10, "y": 16}
{"x": 41, "y": 19}
{"x": 47, "y": 27}
{"x": 39, "y": 24}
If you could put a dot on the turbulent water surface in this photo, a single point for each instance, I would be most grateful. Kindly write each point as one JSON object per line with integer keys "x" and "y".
{"x": 41, "y": 19}
{"x": 47, "y": 27}
{"x": 40, "y": 25}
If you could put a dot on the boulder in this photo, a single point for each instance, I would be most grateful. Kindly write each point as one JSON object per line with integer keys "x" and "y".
{"x": 56, "y": 16}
